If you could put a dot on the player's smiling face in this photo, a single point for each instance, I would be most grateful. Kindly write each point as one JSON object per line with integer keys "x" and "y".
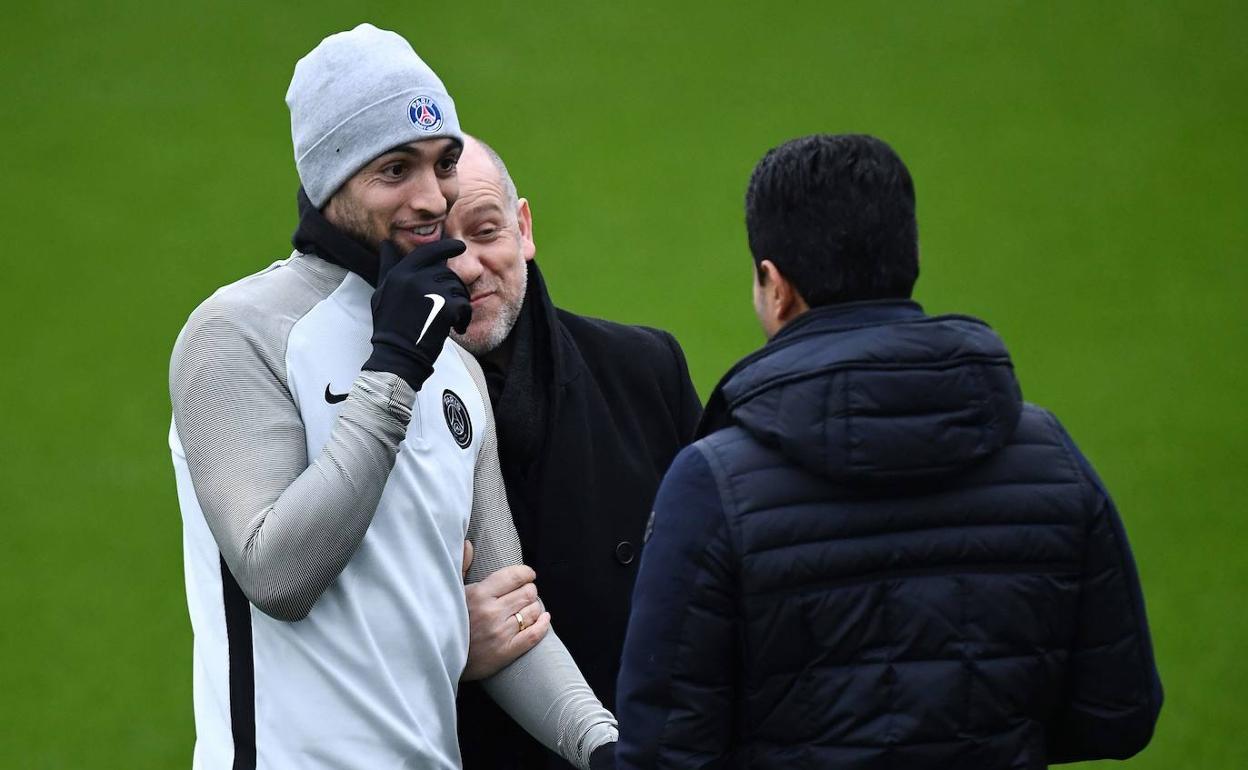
{"x": 403, "y": 194}
{"x": 498, "y": 232}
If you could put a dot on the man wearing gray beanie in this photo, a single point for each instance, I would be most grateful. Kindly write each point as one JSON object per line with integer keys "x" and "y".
{"x": 334, "y": 449}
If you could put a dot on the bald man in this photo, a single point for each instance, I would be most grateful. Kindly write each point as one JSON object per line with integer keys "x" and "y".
{"x": 589, "y": 415}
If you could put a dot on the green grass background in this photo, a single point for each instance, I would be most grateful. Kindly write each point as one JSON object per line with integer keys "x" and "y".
{"x": 1081, "y": 179}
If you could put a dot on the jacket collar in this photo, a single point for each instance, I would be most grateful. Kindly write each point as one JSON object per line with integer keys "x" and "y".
{"x": 847, "y": 315}
{"x": 878, "y": 393}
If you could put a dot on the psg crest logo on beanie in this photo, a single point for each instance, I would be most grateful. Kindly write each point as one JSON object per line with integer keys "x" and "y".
{"x": 425, "y": 114}
{"x": 456, "y": 415}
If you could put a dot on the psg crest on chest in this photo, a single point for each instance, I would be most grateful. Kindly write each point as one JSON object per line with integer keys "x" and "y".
{"x": 456, "y": 415}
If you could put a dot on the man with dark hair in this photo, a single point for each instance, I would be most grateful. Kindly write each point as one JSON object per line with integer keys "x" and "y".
{"x": 877, "y": 555}
{"x": 835, "y": 215}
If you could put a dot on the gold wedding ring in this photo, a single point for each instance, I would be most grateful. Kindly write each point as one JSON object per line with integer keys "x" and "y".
{"x": 520, "y": 621}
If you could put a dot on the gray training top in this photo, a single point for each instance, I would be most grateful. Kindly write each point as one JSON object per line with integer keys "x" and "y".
{"x": 324, "y": 513}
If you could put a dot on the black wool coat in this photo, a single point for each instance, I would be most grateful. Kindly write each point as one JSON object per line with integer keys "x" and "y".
{"x": 590, "y": 414}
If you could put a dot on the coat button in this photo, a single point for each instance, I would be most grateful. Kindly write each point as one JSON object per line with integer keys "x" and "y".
{"x": 624, "y": 552}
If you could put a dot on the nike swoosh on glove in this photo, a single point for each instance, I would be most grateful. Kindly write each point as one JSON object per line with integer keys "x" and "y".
{"x": 418, "y": 300}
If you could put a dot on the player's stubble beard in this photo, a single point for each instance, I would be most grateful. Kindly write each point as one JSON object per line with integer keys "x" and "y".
{"x": 352, "y": 220}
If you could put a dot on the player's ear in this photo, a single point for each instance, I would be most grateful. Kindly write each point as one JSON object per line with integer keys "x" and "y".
{"x": 524, "y": 217}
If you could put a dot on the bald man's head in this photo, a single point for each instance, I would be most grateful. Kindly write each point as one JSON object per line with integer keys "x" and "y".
{"x": 478, "y": 152}
{"x": 497, "y": 227}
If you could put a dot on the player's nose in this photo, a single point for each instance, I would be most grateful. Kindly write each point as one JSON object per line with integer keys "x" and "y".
{"x": 425, "y": 197}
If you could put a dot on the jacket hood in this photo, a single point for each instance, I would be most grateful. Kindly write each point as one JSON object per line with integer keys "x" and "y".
{"x": 875, "y": 392}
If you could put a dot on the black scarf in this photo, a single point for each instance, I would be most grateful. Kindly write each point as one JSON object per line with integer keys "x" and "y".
{"x": 522, "y": 399}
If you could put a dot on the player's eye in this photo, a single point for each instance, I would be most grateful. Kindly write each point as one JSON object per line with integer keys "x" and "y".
{"x": 393, "y": 170}
{"x": 447, "y": 164}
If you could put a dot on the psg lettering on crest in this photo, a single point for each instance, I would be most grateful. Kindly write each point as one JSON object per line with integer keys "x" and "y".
{"x": 457, "y": 420}
{"x": 425, "y": 114}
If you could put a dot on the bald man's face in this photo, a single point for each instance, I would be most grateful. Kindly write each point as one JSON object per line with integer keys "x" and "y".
{"x": 498, "y": 233}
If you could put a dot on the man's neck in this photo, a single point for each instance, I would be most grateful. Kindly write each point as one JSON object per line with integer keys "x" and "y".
{"x": 500, "y": 356}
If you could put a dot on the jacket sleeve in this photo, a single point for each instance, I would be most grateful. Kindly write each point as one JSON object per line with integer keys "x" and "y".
{"x": 678, "y": 672}
{"x": 1114, "y": 692}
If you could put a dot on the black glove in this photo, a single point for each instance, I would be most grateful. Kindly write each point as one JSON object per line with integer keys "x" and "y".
{"x": 603, "y": 757}
{"x": 418, "y": 300}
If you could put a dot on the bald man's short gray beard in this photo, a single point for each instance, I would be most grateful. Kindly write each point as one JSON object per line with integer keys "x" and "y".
{"x": 502, "y": 327}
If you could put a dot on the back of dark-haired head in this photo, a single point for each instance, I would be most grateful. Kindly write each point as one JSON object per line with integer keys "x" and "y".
{"x": 836, "y": 216}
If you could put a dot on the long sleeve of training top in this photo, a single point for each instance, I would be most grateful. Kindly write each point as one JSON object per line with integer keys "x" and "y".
{"x": 286, "y": 524}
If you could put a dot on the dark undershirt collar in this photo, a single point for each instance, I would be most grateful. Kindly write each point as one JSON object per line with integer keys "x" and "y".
{"x": 315, "y": 235}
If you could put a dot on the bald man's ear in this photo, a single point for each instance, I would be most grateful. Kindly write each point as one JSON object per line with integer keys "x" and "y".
{"x": 524, "y": 217}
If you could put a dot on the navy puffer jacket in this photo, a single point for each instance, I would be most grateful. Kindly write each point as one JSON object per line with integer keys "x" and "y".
{"x": 880, "y": 557}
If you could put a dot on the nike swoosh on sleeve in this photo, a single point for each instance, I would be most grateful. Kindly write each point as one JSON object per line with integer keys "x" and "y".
{"x": 438, "y": 302}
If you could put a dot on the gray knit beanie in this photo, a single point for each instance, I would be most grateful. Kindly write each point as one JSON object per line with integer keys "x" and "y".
{"x": 356, "y": 95}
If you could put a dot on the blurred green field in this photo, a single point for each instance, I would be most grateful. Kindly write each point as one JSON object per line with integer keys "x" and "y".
{"x": 1081, "y": 177}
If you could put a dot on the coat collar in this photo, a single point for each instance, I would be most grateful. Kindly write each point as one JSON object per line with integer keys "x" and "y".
{"x": 565, "y": 362}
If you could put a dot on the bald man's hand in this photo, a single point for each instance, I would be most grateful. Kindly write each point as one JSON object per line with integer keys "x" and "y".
{"x": 495, "y": 634}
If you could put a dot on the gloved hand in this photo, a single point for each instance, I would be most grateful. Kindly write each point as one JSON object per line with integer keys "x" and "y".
{"x": 603, "y": 757}
{"x": 418, "y": 300}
